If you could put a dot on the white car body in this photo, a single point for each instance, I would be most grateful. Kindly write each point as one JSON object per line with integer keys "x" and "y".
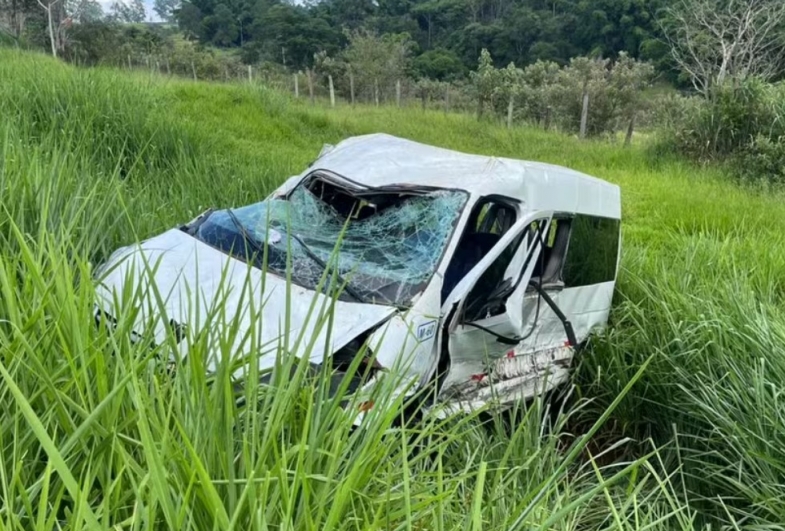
{"x": 516, "y": 349}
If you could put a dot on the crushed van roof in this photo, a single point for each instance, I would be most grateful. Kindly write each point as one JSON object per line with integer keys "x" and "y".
{"x": 384, "y": 160}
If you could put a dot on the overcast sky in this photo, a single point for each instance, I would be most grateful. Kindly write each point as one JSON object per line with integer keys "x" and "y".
{"x": 148, "y": 7}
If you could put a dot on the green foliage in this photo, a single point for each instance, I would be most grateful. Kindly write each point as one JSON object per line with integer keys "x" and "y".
{"x": 85, "y": 11}
{"x": 377, "y": 61}
{"x": 128, "y": 11}
{"x": 449, "y": 33}
{"x": 220, "y": 28}
{"x": 166, "y": 9}
{"x": 763, "y": 160}
{"x": 546, "y": 94}
{"x": 629, "y": 80}
{"x": 510, "y": 83}
{"x": 539, "y": 80}
{"x": 113, "y": 43}
{"x": 485, "y": 80}
{"x": 707, "y": 299}
{"x": 287, "y": 34}
{"x": 439, "y": 64}
{"x": 739, "y": 122}
{"x": 324, "y": 65}
{"x": 426, "y": 90}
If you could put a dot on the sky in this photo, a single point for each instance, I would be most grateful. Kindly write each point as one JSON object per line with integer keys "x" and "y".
{"x": 106, "y": 5}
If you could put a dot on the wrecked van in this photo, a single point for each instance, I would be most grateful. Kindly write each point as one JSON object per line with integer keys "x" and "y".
{"x": 478, "y": 274}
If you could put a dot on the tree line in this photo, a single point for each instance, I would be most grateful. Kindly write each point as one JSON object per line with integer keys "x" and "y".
{"x": 446, "y": 36}
{"x": 689, "y": 42}
{"x": 574, "y": 65}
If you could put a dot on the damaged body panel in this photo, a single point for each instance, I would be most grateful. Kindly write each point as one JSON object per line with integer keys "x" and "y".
{"x": 483, "y": 275}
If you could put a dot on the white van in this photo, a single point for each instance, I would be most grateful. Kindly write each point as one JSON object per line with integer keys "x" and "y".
{"x": 481, "y": 274}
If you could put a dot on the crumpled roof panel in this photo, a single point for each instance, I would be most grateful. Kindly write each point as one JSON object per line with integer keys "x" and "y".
{"x": 383, "y": 160}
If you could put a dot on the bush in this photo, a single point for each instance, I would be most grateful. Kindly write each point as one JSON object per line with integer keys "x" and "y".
{"x": 439, "y": 64}
{"x": 763, "y": 161}
{"x": 740, "y": 123}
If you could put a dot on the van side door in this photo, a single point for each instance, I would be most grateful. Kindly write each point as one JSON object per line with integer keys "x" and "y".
{"x": 577, "y": 270}
{"x": 480, "y": 328}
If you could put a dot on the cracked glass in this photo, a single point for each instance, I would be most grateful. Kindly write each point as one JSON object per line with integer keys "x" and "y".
{"x": 386, "y": 253}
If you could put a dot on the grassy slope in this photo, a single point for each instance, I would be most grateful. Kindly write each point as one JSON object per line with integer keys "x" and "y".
{"x": 91, "y": 160}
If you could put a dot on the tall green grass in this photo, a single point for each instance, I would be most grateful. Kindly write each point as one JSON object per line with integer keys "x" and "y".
{"x": 674, "y": 421}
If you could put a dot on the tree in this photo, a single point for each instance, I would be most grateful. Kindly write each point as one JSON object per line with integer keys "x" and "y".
{"x": 221, "y": 28}
{"x": 485, "y": 80}
{"x": 608, "y": 27}
{"x": 377, "y": 61}
{"x": 289, "y": 34}
{"x": 439, "y": 63}
{"x": 583, "y": 95}
{"x": 56, "y": 22}
{"x": 510, "y": 86}
{"x": 628, "y": 80}
{"x": 189, "y": 19}
{"x": 15, "y": 14}
{"x": 428, "y": 89}
{"x": 85, "y": 11}
{"x": 539, "y": 81}
{"x": 328, "y": 68}
{"x": 166, "y": 9}
{"x": 129, "y": 11}
{"x": 713, "y": 40}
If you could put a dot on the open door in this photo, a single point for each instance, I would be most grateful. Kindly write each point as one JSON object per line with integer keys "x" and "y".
{"x": 487, "y": 311}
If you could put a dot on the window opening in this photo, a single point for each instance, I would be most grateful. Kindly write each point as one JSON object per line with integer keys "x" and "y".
{"x": 391, "y": 240}
{"x": 593, "y": 251}
{"x": 489, "y": 221}
{"x": 548, "y": 268}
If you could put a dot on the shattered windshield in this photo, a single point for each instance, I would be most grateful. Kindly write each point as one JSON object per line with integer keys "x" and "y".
{"x": 384, "y": 243}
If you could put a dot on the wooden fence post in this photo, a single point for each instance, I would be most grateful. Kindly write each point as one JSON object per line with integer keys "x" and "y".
{"x": 351, "y": 85}
{"x": 630, "y": 130}
{"x": 129, "y": 62}
{"x": 510, "y": 105}
{"x": 398, "y": 92}
{"x": 193, "y": 69}
{"x": 584, "y": 112}
{"x": 310, "y": 84}
{"x": 376, "y": 91}
{"x": 250, "y": 74}
{"x": 296, "y": 86}
{"x": 332, "y": 90}
{"x": 447, "y": 100}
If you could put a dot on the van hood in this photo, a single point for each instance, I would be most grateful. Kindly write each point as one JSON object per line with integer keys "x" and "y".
{"x": 182, "y": 283}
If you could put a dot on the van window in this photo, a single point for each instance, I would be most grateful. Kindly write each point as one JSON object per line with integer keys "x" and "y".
{"x": 489, "y": 221}
{"x": 551, "y": 261}
{"x": 593, "y": 251}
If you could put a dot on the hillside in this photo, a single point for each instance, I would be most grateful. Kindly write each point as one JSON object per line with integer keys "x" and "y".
{"x": 91, "y": 435}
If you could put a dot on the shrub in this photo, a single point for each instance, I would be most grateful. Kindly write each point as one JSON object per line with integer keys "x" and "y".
{"x": 740, "y": 123}
{"x": 762, "y": 161}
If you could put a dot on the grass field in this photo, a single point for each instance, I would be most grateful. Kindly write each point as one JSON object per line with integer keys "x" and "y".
{"x": 676, "y": 418}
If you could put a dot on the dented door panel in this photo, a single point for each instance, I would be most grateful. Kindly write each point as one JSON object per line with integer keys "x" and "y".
{"x": 473, "y": 350}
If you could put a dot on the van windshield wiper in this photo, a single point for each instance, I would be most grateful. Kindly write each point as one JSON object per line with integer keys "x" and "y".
{"x": 249, "y": 238}
{"x": 349, "y": 289}
{"x": 257, "y": 247}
